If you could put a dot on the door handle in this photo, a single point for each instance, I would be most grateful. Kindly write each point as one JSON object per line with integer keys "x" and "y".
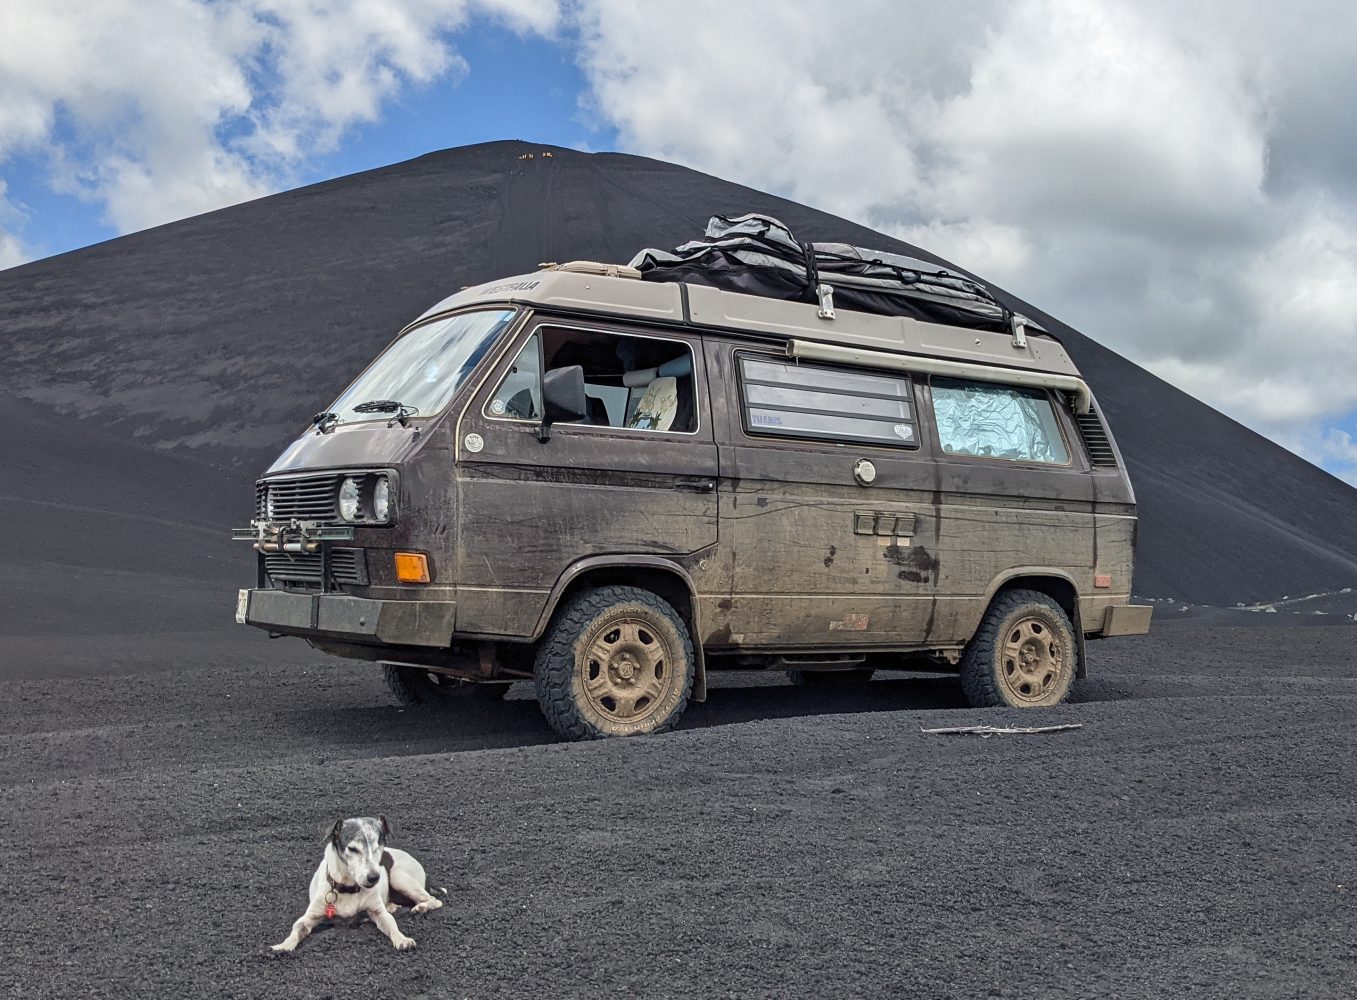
{"x": 696, "y": 485}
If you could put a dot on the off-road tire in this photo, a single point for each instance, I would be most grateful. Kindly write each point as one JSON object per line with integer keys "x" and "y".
{"x": 831, "y": 678}
{"x": 582, "y": 625}
{"x": 416, "y": 687}
{"x": 1030, "y": 623}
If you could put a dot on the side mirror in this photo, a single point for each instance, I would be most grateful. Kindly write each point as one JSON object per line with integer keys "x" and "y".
{"x": 562, "y": 398}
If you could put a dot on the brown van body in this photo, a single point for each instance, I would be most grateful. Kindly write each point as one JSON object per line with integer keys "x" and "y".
{"x": 773, "y": 549}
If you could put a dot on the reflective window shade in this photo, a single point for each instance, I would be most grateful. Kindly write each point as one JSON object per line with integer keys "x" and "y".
{"x": 795, "y": 400}
{"x": 997, "y": 421}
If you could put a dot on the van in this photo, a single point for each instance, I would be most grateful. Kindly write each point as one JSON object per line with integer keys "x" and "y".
{"x": 612, "y": 487}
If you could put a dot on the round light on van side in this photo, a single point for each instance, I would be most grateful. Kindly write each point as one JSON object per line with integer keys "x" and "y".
{"x": 348, "y": 499}
{"x": 381, "y": 499}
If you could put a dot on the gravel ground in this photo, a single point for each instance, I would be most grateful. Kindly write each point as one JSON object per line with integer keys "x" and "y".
{"x": 1195, "y": 838}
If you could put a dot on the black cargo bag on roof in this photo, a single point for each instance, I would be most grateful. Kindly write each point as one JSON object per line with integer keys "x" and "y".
{"x": 757, "y": 255}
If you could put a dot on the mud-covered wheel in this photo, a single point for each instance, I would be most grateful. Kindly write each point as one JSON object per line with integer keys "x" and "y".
{"x": 831, "y": 678}
{"x": 616, "y": 661}
{"x": 416, "y": 686}
{"x": 1023, "y": 655}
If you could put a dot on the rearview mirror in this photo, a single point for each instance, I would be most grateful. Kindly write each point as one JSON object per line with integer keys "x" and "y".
{"x": 562, "y": 398}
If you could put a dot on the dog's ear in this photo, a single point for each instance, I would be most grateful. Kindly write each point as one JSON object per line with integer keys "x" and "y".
{"x": 332, "y": 833}
{"x": 386, "y": 828}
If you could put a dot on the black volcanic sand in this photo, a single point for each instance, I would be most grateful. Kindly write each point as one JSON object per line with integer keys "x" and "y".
{"x": 114, "y": 552}
{"x": 1195, "y": 838}
{"x": 219, "y": 336}
{"x": 167, "y": 773}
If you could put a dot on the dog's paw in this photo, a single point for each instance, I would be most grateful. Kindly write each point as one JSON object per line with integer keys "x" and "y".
{"x": 427, "y": 905}
{"x": 391, "y": 907}
{"x": 285, "y": 946}
{"x": 403, "y": 943}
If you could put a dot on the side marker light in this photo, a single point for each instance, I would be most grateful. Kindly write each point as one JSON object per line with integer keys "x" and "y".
{"x": 412, "y": 567}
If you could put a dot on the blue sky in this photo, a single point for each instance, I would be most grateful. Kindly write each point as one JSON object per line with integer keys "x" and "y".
{"x": 515, "y": 87}
{"x": 1174, "y": 181}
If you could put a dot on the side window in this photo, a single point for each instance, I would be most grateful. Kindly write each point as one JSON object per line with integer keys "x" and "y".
{"x": 796, "y": 400}
{"x": 997, "y": 421}
{"x": 519, "y": 396}
{"x": 630, "y": 383}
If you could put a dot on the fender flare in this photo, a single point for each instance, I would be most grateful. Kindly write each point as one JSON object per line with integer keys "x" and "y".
{"x": 1020, "y": 572}
{"x": 590, "y": 564}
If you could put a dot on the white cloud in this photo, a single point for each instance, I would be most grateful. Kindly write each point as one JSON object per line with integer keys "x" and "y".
{"x": 1177, "y": 182}
{"x": 158, "y": 109}
{"x": 12, "y": 252}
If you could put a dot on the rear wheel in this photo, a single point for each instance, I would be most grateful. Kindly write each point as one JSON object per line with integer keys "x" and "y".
{"x": 416, "y": 686}
{"x": 617, "y": 661}
{"x": 1023, "y": 655}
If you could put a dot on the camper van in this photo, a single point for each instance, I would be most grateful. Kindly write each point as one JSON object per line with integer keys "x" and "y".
{"x": 613, "y": 487}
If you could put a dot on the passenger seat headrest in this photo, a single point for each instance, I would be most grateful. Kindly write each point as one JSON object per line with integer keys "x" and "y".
{"x": 640, "y": 377}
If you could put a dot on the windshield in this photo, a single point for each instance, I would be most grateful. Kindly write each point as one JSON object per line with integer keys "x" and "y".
{"x": 421, "y": 370}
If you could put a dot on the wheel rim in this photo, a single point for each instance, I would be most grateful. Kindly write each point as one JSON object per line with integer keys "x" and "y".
{"x": 627, "y": 669}
{"x": 1032, "y": 661}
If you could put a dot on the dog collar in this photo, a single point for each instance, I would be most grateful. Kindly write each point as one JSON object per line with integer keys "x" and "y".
{"x": 345, "y": 887}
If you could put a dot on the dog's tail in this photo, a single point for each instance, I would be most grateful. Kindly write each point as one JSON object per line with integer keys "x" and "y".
{"x": 432, "y": 888}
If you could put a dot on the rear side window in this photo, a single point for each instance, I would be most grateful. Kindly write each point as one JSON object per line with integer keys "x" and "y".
{"x": 997, "y": 421}
{"x": 795, "y": 400}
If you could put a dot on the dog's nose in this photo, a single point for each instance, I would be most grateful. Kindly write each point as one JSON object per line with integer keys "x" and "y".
{"x": 374, "y": 880}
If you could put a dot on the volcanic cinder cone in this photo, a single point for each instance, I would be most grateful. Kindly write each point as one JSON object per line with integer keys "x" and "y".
{"x": 214, "y": 339}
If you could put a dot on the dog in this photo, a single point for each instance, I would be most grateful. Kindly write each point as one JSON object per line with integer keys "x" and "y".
{"x": 360, "y": 876}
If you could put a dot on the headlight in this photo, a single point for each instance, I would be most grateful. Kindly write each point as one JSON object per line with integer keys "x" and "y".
{"x": 381, "y": 499}
{"x": 348, "y": 499}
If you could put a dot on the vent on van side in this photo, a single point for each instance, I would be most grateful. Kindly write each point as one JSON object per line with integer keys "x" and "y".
{"x": 1099, "y": 448}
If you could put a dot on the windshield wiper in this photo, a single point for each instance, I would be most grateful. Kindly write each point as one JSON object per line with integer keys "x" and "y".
{"x": 324, "y": 422}
{"x": 402, "y": 412}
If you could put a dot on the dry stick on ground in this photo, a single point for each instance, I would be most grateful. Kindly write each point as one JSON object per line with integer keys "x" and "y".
{"x": 987, "y": 731}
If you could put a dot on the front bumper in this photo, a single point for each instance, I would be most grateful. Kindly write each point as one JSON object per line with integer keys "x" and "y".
{"x": 353, "y": 619}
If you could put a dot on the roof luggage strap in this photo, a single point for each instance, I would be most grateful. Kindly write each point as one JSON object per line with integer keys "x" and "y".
{"x": 822, "y": 292}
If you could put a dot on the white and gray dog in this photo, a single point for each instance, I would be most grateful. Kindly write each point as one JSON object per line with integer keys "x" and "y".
{"x": 360, "y": 876}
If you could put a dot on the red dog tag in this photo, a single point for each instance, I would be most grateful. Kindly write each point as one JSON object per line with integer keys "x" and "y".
{"x": 329, "y": 911}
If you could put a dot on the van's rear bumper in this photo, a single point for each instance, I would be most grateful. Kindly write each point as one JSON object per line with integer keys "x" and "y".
{"x": 1127, "y": 619}
{"x": 355, "y": 619}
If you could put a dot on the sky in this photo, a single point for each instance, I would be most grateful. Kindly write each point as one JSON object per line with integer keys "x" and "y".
{"x": 1177, "y": 181}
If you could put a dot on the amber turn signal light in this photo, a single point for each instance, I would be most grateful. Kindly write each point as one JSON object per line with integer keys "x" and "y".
{"x": 412, "y": 567}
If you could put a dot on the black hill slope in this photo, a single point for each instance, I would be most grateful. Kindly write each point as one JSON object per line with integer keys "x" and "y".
{"x": 217, "y": 337}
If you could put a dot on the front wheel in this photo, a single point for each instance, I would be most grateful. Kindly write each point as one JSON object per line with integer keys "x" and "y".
{"x": 416, "y": 686}
{"x": 616, "y": 661}
{"x": 1022, "y": 656}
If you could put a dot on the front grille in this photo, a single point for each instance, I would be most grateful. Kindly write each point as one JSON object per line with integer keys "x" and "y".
{"x": 310, "y": 498}
{"x": 1099, "y": 447}
{"x": 346, "y": 566}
